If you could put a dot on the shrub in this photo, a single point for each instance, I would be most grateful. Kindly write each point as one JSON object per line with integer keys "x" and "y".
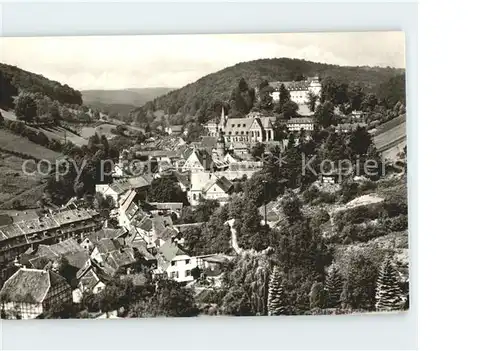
{"x": 310, "y": 194}
{"x": 398, "y": 223}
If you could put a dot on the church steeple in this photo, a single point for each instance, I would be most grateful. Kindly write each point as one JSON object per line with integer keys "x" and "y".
{"x": 221, "y": 144}
{"x": 222, "y": 121}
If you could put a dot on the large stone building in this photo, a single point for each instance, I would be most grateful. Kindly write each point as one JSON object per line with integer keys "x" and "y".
{"x": 255, "y": 127}
{"x": 299, "y": 90}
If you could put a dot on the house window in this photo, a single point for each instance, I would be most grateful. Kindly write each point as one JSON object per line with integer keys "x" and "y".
{"x": 244, "y": 125}
{"x": 173, "y": 263}
{"x": 232, "y": 125}
{"x": 188, "y": 273}
{"x": 236, "y": 133}
{"x": 188, "y": 261}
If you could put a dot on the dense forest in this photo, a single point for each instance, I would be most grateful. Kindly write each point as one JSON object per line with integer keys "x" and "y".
{"x": 35, "y": 83}
{"x": 213, "y": 89}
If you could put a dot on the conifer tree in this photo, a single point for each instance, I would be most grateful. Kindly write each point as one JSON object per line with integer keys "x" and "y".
{"x": 333, "y": 286}
{"x": 388, "y": 294}
{"x": 275, "y": 298}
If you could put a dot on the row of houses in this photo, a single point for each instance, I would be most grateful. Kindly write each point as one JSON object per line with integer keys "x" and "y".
{"x": 41, "y": 283}
{"x": 51, "y": 227}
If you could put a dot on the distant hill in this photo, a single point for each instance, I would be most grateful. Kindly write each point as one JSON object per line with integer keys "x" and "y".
{"x": 203, "y": 93}
{"x": 12, "y": 76}
{"x": 121, "y": 101}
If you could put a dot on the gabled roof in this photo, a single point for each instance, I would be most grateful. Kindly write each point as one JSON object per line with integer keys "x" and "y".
{"x": 169, "y": 250}
{"x": 106, "y": 245}
{"x": 123, "y": 185}
{"x": 60, "y": 249}
{"x": 224, "y": 183}
{"x": 77, "y": 259}
{"x": 107, "y": 233}
{"x": 120, "y": 258}
{"x": 40, "y": 262}
{"x": 127, "y": 199}
{"x": 204, "y": 158}
{"x": 89, "y": 279}
{"x": 30, "y": 285}
{"x": 145, "y": 224}
{"x": 182, "y": 178}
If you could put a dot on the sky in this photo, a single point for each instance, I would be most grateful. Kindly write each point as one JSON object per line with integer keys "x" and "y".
{"x": 119, "y": 62}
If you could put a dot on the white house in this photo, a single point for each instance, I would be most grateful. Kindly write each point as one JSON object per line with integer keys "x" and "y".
{"x": 198, "y": 160}
{"x": 299, "y": 91}
{"x": 296, "y": 124}
{"x": 174, "y": 262}
{"x": 206, "y": 185}
{"x": 218, "y": 188}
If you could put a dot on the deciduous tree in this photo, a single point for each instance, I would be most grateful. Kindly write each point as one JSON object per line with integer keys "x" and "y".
{"x": 26, "y": 108}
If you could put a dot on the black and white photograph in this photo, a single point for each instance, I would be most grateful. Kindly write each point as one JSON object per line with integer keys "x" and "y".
{"x": 199, "y": 175}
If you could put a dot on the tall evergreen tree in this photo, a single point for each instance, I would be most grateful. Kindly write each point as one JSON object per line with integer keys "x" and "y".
{"x": 311, "y": 101}
{"x": 333, "y": 286}
{"x": 388, "y": 294}
{"x": 275, "y": 299}
{"x": 284, "y": 96}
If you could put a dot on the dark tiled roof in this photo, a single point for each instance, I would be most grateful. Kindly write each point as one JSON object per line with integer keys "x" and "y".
{"x": 89, "y": 279}
{"x": 301, "y": 120}
{"x": 121, "y": 258}
{"x": 40, "y": 262}
{"x": 107, "y": 233}
{"x": 169, "y": 250}
{"x": 59, "y": 249}
{"x": 77, "y": 259}
{"x": 106, "y": 245}
{"x": 291, "y": 86}
{"x": 182, "y": 178}
{"x": 29, "y": 285}
{"x": 224, "y": 183}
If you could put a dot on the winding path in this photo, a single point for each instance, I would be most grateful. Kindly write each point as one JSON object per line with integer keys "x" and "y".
{"x": 236, "y": 247}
